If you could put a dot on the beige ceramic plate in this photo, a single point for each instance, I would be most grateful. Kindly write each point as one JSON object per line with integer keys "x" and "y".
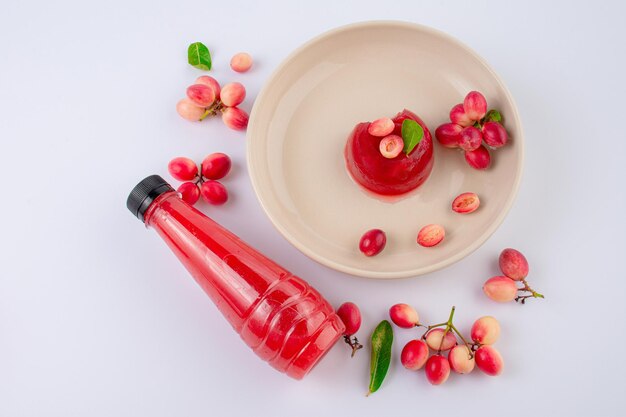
{"x": 361, "y": 72}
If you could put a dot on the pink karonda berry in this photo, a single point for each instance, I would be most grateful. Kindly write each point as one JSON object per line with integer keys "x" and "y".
{"x": 403, "y": 315}
{"x": 233, "y": 94}
{"x": 215, "y": 166}
{"x": 431, "y": 235}
{"x": 372, "y": 242}
{"x": 449, "y": 135}
{"x": 189, "y": 110}
{"x": 350, "y": 315}
{"x": 414, "y": 355}
{"x": 461, "y": 359}
{"x": 470, "y": 139}
{"x": 434, "y": 337}
{"x": 189, "y": 192}
{"x": 479, "y": 158}
{"x": 466, "y": 203}
{"x": 381, "y": 127}
{"x": 437, "y": 369}
{"x": 488, "y": 360}
{"x": 214, "y": 192}
{"x": 241, "y": 62}
{"x": 201, "y": 95}
{"x": 459, "y": 117}
{"x": 475, "y": 105}
{"x": 210, "y": 82}
{"x": 494, "y": 134}
{"x": 513, "y": 264}
{"x": 500, "y": 289}
{"x": 182, "y": 168}
{"x": 235, "y": 118}
{"x": 391, "y": 146}
{"x": 485, "y": 330}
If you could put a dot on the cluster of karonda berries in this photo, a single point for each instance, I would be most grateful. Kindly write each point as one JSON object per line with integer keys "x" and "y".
{"x": 471, "y": 125}
{"x": 201, "y": 182}
{"x": 429, "y": 351}
{"x": 503, "y": 288}
{"x": 206, "y": 98}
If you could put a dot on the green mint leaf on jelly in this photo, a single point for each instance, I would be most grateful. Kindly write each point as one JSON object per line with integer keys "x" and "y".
{"x": 412, "y": 134}
{"x": 382, "y": 339}
{"x": 199, "y": 56}
{"x": 493, "y": 115}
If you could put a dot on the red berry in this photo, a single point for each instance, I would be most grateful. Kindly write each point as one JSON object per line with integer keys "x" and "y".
{"x": 434, "y": 336}
{"x": 437, "y": 369}
{"x": 201, "y": 95}
{"x": 479, "y": 158}
{"x": 485, "y": 330}
{"x": 431, "y": 235}
{"x": 461, "y": 360}
{"x": 513, "y": 264}
{"x": 494, "y": 134}
{"x": 500, "y": 289}
{"x": 449, "y": 134}
{"x": 183, "y": 169}
{"x": 471, "y": 139}
{"x": 241, "y": 62}
{"x": 475, "y": 105}
{"x": 235, "y": 118}
{"x": 459, "y": 117}
{"x": 215, "y": 166}
{"x": 210, "y": 82}
{"x": 414, "y": 355}
{"x": 488, "y": 360}
{"x": 189, "y": 192}
{"x": 189, "y": 110}
{"x": 214, "y": 192}
{"x": 350, "y": 315}
{"x": 466, "y": 203}
{"x": 372, "y": 242}
{"x": 233, "y": 94}
{"x": 403, "y": 315}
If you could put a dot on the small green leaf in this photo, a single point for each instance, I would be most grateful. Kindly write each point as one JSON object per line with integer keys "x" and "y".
{"x": 412, "y": 134}
{"x": 493, "y": 115}
{"x": 382, "y": 339}
{"x": 199, "y": 56}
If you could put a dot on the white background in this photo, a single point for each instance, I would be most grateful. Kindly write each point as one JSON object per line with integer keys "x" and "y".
{"x": 97, "y": 318}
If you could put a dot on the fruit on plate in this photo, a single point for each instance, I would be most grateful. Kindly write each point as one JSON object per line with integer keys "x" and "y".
{"x": 471, "y": 125}
{"x": 382, "y": 173}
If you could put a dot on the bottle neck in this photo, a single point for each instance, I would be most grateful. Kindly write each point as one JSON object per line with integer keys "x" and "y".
{"x": 156, "y": 205}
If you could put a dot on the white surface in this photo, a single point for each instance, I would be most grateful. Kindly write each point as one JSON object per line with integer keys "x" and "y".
{"x": 98, "y": 319}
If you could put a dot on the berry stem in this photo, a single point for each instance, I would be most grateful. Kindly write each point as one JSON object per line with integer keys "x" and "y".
{"x": 429, "y": 328}
{"x": 353, "y": 343}
{"x": 212, "y": 110}
{"x": 527, "y": 288}
{"x": 447, "y": 329}
{"x": 469, "y": 347}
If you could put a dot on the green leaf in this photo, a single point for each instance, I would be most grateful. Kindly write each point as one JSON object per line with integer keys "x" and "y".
{"x": 199, "y": 56}
{"x": 382, "y": 339}
{"x": 493, "y": 115}
{"x": 412, "y": 134}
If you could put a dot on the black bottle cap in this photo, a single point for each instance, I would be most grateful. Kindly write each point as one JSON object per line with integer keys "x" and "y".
{"x": 145, "y": 193}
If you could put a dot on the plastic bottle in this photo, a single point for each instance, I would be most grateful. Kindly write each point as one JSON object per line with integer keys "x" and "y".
{"x": 284, "y": 320}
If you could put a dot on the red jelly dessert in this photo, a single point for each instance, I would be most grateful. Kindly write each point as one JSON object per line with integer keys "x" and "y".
{"x": 388, "y": 176}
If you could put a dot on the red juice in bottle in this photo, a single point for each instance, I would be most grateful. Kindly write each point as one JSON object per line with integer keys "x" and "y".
{"x": 284, "y": 320}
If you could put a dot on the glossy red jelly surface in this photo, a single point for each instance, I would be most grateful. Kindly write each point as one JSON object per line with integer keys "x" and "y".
{"x": 385, "y": 176}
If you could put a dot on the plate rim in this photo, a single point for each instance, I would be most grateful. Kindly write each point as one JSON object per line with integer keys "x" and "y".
{"x": 409, "y": 273}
